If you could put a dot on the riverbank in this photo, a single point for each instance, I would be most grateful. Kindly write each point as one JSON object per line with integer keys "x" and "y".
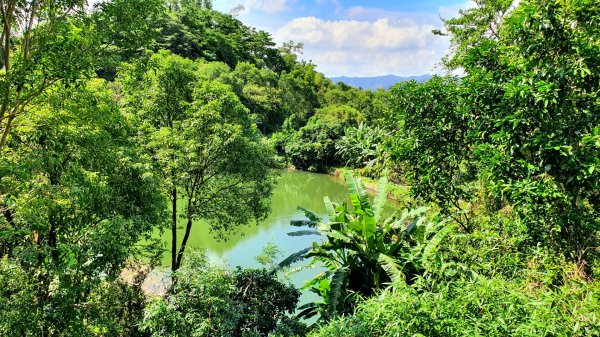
{"x": 397, "y": 193}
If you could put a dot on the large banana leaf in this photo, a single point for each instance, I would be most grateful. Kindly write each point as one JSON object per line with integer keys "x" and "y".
{"x": 380, "y": 198}
{"x": 363, "y": 196}
{"x": 329, "y": 208}
{"x": 391, "y": 267}
{"x": 309, "y": 310}
{"x": 310, "y": 215}
{"x": 433, "y": 244}
{"x": 336, "y": 291}
{"x": 303, "y": 223}
{"x": 295, "y": 257}
{"x": 362, "y": 207}
{"x": 353, "y": 193}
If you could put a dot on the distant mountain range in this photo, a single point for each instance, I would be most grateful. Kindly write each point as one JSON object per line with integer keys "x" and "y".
{"x": 377, "y": 82}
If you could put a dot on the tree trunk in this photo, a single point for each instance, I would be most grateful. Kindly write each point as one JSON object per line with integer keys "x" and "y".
{"x": 174, "y": 230}
{"x": 188, "y": 229}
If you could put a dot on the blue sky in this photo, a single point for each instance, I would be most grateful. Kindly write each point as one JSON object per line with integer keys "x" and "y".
{"x": 356, "y": 38}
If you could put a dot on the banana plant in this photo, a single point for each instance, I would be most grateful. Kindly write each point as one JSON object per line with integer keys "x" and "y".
{"x": 362, "y": 251}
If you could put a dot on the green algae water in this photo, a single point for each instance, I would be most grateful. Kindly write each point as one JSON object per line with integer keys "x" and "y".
{"x": 246, "y": 242}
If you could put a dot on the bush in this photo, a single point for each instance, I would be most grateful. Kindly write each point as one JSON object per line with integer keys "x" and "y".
{"x": 484, "y": 307}
{"x": 210, "y": 300}
{"x": 312, "y": 148}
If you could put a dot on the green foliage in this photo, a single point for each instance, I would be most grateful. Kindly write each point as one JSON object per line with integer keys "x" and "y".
{"x": 196, "y": 31}
{"x": 42, "y": 43}
{"x": 203, "y": 142}
{"x": 299, "y": 94}
{"x": 511, "y": 151}
{"x": 363, "y": 251}
{"x": 486, "y": 283}
{"x": 209, "y": 300}
{"x": 523, "y": 120}
{"x": 199, "y": 304}
{"x": 369, "y": 103}
{"x": 363, "y": 147}
{"x": 261, "y": 95}
{"x": 269, "y": 255}
{"x": 537, "y": 118}
{"x": 344, "y": 114}
{"x": 494, "y": 307}
{"x": 312, "y": 148}
{"x": 76, "y": 200}
{"x": 265, "y": 303}
{"x": 474, "y": 27}
{"x": 125, "y": 29}
{"x": 433, "y": 145}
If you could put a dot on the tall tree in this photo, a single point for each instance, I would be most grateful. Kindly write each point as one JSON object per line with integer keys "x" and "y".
{"x": 42, "y": 42}
{"x": 433, "y": 145}
{"x": 76, "y": 200}
{"x": 530, "y": 98}
{"x": 205, "y": 145}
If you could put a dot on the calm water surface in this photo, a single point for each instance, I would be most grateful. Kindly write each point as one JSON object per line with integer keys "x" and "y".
{"x": 242, "y": 246}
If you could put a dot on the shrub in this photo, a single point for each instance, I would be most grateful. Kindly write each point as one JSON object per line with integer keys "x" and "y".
{"x": 483, "y": 307}
{"x": 210, "y": 300}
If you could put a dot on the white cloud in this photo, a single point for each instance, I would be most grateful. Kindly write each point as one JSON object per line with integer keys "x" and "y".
{"x": 366, "y": 48}
{"x": 373, "y": 13}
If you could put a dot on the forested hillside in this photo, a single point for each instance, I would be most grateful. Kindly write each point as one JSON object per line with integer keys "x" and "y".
{"x": 125, "y": 119}
{"x": 378, "y": 82}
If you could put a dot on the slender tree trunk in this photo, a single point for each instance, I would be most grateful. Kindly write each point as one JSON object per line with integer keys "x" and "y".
{"x": 6, "y": 34}
{"x": 188, "y": 229}
{"x": 174, "y": 230}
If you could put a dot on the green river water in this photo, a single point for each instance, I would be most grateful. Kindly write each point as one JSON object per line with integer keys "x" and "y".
{"x": 243, "y": 245}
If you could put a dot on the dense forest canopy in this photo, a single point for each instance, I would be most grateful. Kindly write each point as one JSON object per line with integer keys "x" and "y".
{"x": 125, "y": 119}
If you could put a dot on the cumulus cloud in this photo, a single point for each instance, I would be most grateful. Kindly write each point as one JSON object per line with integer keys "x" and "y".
{"x": 366, "y": 48}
